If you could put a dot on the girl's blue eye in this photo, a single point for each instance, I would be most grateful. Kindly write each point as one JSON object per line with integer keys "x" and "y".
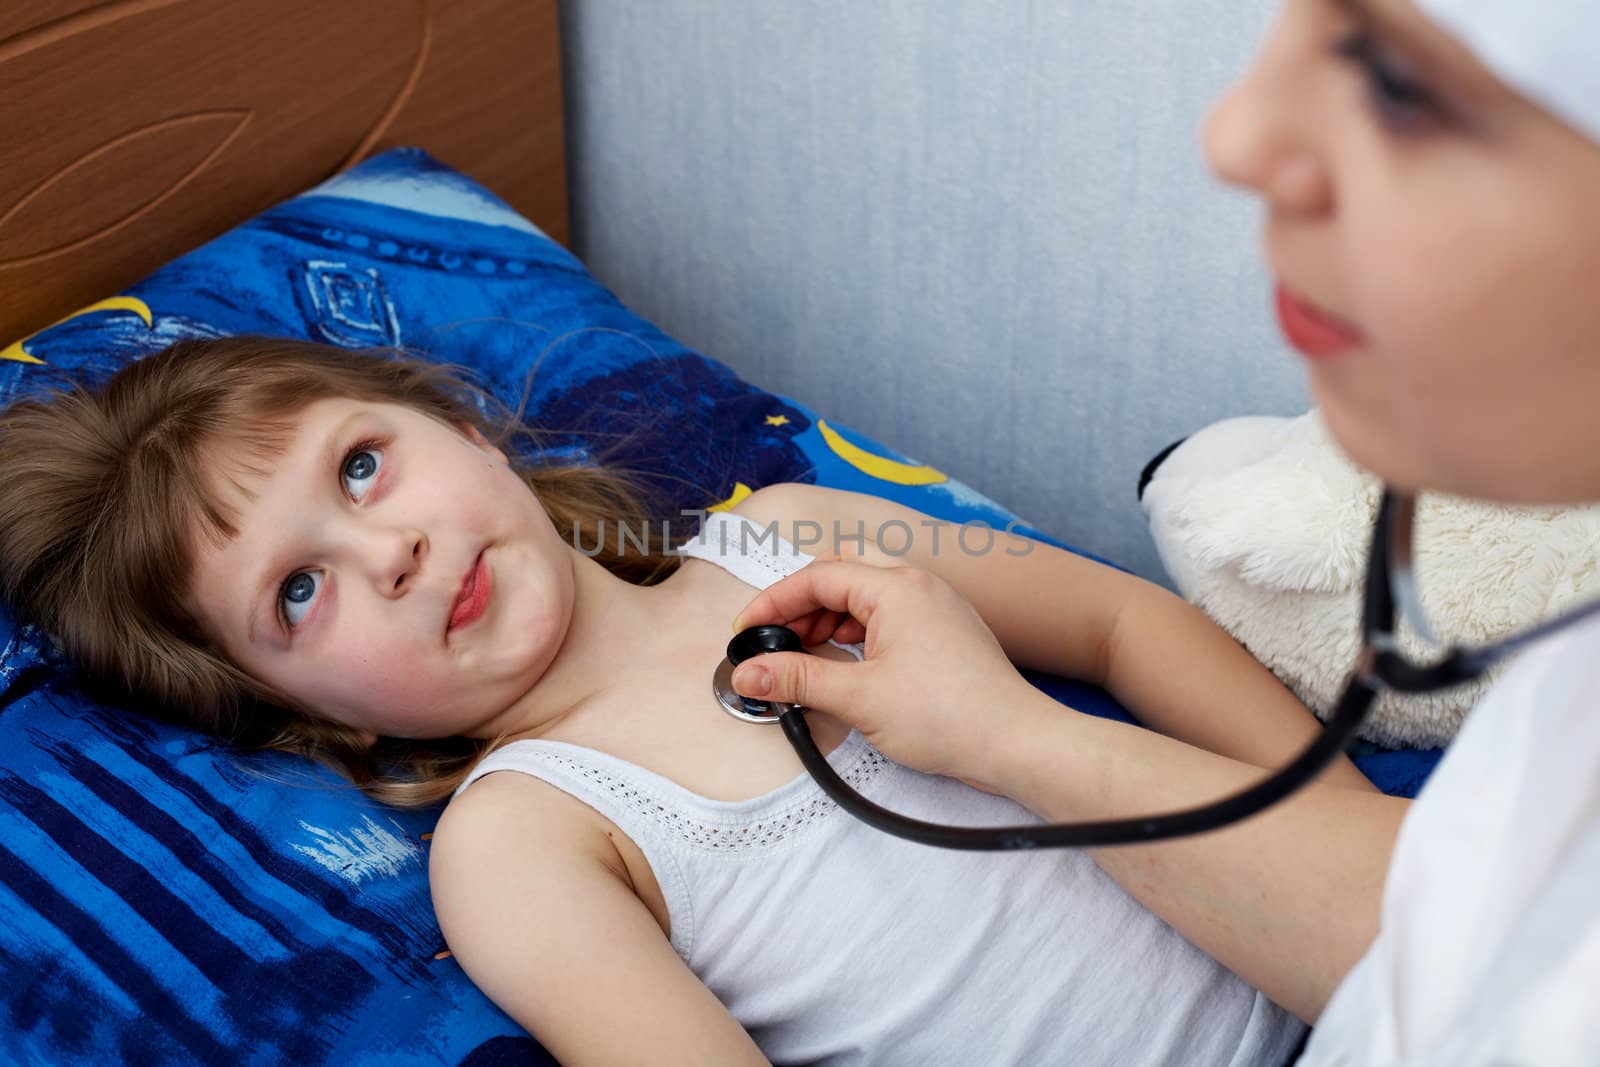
{"x": 361, "y": 466}
{"x": 296, "y": 595}
{"x": 1400, "y": 102}
{"x": 357, "y": 472}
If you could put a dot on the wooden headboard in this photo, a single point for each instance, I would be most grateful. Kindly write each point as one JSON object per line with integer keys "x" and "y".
{"x": 135, "y": 130}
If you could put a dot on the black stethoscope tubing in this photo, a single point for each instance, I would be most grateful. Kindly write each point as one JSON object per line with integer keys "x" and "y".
{"x": 1380, "y": 665}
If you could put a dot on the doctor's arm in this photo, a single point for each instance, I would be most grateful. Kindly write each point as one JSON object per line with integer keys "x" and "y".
{"x": 1288, "y": 899}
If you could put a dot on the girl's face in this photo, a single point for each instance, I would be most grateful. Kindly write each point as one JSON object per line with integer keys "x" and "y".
{"x": 1452, "y": 225}
{"x": 391, "y": 572}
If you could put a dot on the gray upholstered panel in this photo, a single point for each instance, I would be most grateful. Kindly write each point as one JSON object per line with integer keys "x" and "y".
{"x": 982, "y": 232}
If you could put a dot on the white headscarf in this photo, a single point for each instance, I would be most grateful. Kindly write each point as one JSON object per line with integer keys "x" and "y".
{"x": 1547, "y": 50}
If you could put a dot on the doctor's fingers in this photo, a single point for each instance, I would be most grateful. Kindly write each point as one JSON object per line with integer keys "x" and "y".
{"x": 838, "y": 625}
{"x": 858, "y": 590}
{"x": 839, "y": 688}
{"x": 823, "y": 625}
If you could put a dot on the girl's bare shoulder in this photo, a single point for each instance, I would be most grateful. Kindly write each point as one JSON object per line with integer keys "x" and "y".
{"x": 801, "y": 500}
{"x": 507, "y": 811}
{"x": 830, "y": 523}
{"x": 792, "y": 504}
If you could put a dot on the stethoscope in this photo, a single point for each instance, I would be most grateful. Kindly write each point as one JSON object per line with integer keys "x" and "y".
{"x": 1380, "y": 665}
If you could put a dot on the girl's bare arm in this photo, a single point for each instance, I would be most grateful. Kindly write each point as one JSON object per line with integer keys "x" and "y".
{"x": 538, "y": 910}
{"x": 1187, "y": 677}
{"x": 1060, "y": 613}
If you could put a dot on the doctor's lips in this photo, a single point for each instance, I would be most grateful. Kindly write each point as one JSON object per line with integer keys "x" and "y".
{"x": 473, "y": 597}
{"x": 1311, "y": 330}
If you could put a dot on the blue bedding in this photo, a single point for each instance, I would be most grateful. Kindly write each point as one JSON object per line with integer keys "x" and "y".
{"x": 164, "y": 899}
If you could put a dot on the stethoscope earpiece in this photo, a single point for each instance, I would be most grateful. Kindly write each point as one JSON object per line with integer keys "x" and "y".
{"x": 746, "y": 644}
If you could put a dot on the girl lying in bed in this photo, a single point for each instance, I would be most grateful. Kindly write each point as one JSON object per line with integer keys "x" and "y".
{"x": 303, "y": 548}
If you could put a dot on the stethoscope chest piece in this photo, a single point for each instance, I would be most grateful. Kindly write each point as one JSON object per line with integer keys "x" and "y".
{"x": 756, "y": 711}
{"x": 752, "y": 642}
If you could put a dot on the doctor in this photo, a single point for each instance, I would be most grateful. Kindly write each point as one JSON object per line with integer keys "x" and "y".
{"x": 1430, "y": 173}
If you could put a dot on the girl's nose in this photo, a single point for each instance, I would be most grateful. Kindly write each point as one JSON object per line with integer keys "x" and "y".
{"x": 1263, "y": 137}
{"x": 398, "y": 557}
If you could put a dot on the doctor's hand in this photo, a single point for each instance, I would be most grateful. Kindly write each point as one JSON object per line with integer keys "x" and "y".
{"x": 935, "y": 690}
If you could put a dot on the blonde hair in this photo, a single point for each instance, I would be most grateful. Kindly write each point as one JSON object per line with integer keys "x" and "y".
{"x": 104, "y": 493}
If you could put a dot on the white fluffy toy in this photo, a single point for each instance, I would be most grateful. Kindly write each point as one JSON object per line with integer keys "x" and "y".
{"x": 1264, "y": 524}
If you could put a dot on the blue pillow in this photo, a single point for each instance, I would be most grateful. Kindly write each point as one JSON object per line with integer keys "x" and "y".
{"x": 165, "y": 899}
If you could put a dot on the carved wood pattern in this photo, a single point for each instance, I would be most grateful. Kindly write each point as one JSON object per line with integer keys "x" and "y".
{"x": 379, "y": 128}
{"x": 15, "y": 227}
{"x": 69, "y": 26}
{"x": 117, "y": 163}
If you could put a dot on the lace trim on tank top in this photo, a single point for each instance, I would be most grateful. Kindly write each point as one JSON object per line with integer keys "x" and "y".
{"x": 740, "y": 546}
{"x": 754, "y": 554}
{"x": 741, "y": 830}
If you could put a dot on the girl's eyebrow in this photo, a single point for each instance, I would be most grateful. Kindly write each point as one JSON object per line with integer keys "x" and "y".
{"x": 253, "y": 612}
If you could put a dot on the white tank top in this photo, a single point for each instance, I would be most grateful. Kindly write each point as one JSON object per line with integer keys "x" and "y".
{"x": 833, "y": 943}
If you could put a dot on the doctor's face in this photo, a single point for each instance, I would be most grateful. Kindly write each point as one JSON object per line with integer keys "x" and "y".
{"x": 1448, "y": 228}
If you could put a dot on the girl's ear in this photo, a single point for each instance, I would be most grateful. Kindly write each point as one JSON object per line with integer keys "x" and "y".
{"x": 482, "y": 442}
{"x": 367, "y": 738}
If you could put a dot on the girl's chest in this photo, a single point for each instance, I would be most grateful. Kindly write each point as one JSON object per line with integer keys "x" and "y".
{"x": 667, "y": 719}
{"x": 669, "y": 722}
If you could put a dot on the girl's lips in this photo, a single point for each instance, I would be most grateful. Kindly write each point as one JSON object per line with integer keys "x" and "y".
{"x": 1312, "y": 331}
{"x": 473, "y": 598}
